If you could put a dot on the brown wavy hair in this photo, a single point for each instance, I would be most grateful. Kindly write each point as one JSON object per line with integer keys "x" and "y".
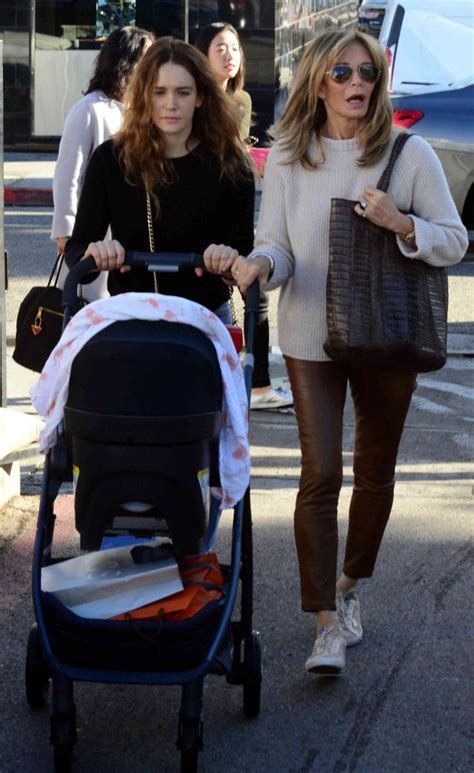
{"x": 305, "y": 112}
{"x": 215, "y": 122}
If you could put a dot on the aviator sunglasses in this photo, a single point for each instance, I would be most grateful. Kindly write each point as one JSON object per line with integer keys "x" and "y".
{"x": 341, "y": 73}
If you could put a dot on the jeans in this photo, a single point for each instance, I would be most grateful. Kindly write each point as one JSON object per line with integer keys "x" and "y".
{"x": 381, "y": 400}
{"x": 224, "y": 313}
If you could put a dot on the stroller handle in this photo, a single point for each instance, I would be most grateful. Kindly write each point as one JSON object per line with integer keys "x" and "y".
{"x": 154, "y": 261}
{"x": 164, "y": 261}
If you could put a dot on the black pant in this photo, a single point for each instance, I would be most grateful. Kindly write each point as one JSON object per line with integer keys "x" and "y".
{"x": 381, "y": 401}
{"x": 261, "y": 373}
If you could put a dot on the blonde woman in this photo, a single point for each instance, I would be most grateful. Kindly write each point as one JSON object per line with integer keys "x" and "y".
{"x": 334, "y": 140}
{"x": 179, "y": 148}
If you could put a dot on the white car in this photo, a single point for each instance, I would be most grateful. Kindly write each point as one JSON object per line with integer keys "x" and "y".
{"x": 430, "y": 51}
{"x": 429, "y": 44}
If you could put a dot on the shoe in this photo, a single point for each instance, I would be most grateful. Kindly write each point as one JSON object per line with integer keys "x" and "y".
{"x": 348, "y": 617}
{"x": 329, "y": 652}
{"x": 275, "y": 397}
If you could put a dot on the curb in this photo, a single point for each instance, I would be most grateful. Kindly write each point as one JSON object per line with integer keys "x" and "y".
{"x": 28, "y": 197}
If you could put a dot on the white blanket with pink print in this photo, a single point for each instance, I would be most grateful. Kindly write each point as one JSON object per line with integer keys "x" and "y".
{"x": 49, "y": 395}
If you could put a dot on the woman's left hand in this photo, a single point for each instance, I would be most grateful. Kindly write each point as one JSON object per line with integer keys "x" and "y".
{"x": 218, "y": 259}
{"x": 379, "y": 208}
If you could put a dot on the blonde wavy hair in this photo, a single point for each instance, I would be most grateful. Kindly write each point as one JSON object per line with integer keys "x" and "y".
{"x": 215, "y": 123}
{"x": 305, "y": 112}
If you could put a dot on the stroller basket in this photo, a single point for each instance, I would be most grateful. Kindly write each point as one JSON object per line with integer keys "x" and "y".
{"x": 144, "y": 645}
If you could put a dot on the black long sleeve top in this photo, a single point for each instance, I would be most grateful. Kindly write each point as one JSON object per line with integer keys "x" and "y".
{"x": 198, "y": 209}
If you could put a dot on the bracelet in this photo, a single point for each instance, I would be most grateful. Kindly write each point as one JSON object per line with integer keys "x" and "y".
{"x": 410, "y": 239}
{"x": 270, "y": 260}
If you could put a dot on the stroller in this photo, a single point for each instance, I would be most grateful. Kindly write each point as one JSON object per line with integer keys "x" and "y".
{"x": 147, "y": 448}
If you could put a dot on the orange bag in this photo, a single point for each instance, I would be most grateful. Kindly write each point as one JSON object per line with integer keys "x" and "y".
{"x": 200, "y": 575}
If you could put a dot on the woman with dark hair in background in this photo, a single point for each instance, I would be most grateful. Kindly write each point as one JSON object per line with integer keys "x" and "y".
{"x": 91, "y": 121}
{"x": 221, "y": 44}
{"x": 176, "y": 173}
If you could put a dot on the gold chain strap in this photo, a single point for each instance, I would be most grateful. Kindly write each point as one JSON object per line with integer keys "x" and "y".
{"x": 151, "y": 237}
{"x": 233, "y": 312}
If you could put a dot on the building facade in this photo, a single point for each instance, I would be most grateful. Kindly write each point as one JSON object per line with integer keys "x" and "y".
{"x": 50, "y": 47}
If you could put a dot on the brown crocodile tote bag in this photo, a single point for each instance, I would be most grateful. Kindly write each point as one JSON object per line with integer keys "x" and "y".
{"x": 383, "y": 309}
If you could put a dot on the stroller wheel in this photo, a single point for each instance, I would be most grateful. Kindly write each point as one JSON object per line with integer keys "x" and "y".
{"x": 63, "y": 758}
{"x": 36, "y": 671}
{"x": 253, "y": 676}
{"x": 189, "y": 759}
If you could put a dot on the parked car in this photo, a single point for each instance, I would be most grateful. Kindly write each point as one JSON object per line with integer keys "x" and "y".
{"x": 429, "y": 44}
{"x": 446, "y": 120}
{"x": 371, "y": 15}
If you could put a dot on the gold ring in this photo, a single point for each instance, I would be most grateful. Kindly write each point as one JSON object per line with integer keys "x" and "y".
{"x": 236, "y": 273}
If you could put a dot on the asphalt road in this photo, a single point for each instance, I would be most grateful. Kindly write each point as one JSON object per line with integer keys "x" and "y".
{"x": 404, "y": 704}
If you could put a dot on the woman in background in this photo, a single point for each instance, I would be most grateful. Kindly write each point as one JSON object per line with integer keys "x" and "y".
{"x": 91, "y": 121}
{"x": 221, "y": 44}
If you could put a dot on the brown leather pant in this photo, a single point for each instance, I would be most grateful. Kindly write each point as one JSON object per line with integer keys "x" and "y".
{"x": 381, "y": 401}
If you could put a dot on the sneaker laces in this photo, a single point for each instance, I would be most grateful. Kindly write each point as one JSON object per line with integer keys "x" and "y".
{"x": 328, "y": 639}
{"x": 345, "y": 610}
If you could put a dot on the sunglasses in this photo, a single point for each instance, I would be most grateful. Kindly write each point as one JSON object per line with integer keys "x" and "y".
{"x": 341, "y": 73}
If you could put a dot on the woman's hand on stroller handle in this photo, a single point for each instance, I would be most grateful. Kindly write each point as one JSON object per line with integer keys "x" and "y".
{"x": 218, "y": 259}
{"x": 108, "y": 254}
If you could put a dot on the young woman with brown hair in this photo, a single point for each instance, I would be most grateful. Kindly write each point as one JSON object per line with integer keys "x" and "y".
{"x": 179, "y": 157}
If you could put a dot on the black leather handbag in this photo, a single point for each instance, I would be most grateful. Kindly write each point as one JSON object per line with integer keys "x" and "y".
{"x": 39, "y": 322}
{"x": 383, "y": 309}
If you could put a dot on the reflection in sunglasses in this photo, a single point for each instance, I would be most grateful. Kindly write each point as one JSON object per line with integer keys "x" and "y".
{"x": 341, "y": 73}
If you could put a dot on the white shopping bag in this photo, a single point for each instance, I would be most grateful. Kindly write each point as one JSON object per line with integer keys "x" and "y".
{"x": 108, "y": 582}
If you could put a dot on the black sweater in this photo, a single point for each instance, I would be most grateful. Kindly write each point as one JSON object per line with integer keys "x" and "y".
{"x": 196, "y": 210}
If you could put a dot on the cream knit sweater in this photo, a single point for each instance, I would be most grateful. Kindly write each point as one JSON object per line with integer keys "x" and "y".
{"x": 293, "y": 227}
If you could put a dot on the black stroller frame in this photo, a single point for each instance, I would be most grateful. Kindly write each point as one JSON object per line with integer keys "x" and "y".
{"x": 44, "y": 665}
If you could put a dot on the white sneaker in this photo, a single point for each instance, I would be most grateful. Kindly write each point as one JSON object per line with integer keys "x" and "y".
{"x": 274, "y": 397}
{"x": 329, "y": 652}
{"x": 348, "y": 617}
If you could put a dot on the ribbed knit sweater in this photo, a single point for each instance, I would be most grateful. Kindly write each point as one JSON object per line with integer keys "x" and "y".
{"x": 293, "y": 226}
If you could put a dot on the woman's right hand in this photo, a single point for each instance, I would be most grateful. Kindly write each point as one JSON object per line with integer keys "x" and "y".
{"x": 245, "y": 272}
{"x": 108, "y": 254}
{"x": 61, "y": 242}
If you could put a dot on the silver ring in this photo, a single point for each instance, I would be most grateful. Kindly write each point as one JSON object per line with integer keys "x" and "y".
{"x": 363, "y": 204}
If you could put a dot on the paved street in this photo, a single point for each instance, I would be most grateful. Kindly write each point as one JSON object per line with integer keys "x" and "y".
{"x": 404, "y": 703}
